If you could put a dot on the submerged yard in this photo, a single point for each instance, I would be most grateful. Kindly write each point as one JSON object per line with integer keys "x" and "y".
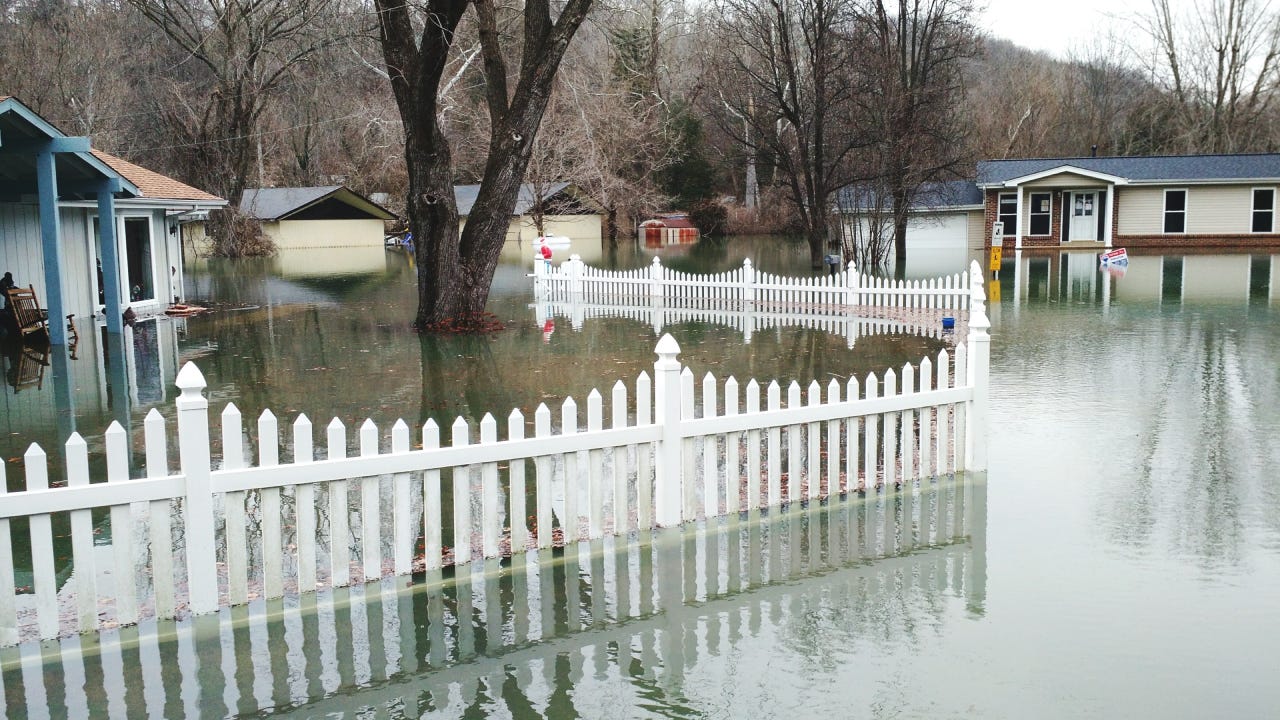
{"x": 1117, "y": 559}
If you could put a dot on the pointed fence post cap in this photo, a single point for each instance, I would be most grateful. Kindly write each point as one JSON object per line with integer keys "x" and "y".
{"x": 745, "y": 263}
{"x": 656, "y": 260}
{"x": 190, "y": 378}
{"x": 667, "y": 347}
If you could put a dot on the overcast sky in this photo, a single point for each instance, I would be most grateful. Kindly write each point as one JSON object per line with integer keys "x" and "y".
{"x": 1057, "y": 27}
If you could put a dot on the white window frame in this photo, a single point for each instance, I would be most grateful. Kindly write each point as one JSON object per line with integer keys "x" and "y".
{"x": 1164, "y": 211}
{"x": 122, "y": 249}
{"x": 1031, "y": 213}
{"x": 1253, "y": 209}
{"x": 1009, "y": 229}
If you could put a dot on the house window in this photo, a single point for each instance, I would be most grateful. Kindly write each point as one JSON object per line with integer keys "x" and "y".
{"x": 1009, "y": 213}
{"x": 1264, "y": 210}
{"x": 1175, "y": 211}
{"x": 1041, "y": 222}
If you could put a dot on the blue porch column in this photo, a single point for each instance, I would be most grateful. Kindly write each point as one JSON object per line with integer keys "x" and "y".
{"x": 51, "y": 244}
{"x": 111, "y": 290}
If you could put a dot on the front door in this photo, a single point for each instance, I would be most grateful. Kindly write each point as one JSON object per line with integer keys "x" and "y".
{"x": 1084, "y": 220}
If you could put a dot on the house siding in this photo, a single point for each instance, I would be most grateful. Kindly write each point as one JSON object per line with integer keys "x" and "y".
{"x": 19, "y": 233}
{"x": 975, "y": 229}
{"x": 1065, "y": 180}
{"x": 312, "y": 234}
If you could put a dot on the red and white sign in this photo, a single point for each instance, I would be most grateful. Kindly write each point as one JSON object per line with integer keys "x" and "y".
{"x": 1116, "y": 257}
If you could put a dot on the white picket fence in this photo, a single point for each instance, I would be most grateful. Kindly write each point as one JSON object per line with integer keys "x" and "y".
{"x": 746, "y": 287}
{"x": 835, "y": 321}
{"x": 668, "y": 455}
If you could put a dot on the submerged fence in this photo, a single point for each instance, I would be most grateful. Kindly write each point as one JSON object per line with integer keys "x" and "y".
{"x": 748, "y": 288}
{"x": 673, "y": 451}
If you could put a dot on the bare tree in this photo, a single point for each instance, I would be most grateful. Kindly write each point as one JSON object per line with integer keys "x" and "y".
{"x": 1219, "y": 60}
{"x": 455, "y": 270}
{"x": 785, "y": 71}
{"x": 913, "y": 52}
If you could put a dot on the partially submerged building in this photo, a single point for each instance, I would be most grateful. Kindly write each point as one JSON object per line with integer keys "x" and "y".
{"x": 54, "y": 189}
{"x": 309, "y": 218}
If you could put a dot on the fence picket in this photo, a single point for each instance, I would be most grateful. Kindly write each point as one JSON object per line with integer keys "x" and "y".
{"x": 370, "y": 507}
{"x": 43, "y": 580}
{"x": 517, "y": 518}
{"x": 688, "y": 471}
{"x": 620, "y": 504}
{"x": 814, "y": 471}
{"x": 774, "y": 448}
{"x": 943, "y": 445}
{"x": 235, "y": 529}
{"x": 402, "y": 533}
{"x": 273, "y": 551}
{"x": 852, "y": 428}
{"x": 339, "y": 520}
{"x": 8, "y": 588}
{"x": 710, "y": 452}
{"x": 907, "y": 424}
{"x": 595, "y": 468}
{"x": 794, "y": 456}
{"x": 753, "y": 448}
{"x": 889, "y": 442}
{"x": 126, "y": 591}
{"x": 961, "y": 373}
{"x": 432, "y": 512}
{"x": 572, "y": 519}
{"x": 833, "y": 442}
{"x": 462, "y": 529}
{"x": 644, "y": 453}
{"x": 926, "y": 422}
{"x": 490, "y": 508}
{"x": 870, "y": 438}
{"x": 732, "y": 441}
{"x": 543, "y": 477}
{"x": 82, "y": 554}
{"x": 304, "y": 507}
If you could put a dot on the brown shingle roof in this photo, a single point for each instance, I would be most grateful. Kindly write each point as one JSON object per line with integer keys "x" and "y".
{"x": 151, "y": 183}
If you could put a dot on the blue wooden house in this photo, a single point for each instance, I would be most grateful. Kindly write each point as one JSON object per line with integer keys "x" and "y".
{"x": 53, "y": 191}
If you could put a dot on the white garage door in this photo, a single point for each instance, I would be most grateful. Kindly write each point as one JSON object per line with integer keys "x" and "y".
{"x": 935, "y": 231}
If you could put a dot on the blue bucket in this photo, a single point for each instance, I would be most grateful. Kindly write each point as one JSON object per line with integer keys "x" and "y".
{"x": 948, "y": 323}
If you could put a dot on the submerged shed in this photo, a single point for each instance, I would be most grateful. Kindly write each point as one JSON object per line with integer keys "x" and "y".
{"x": 307, "y": 218}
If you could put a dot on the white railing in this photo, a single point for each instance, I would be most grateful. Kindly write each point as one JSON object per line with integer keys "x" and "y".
{"x": 669, "y": 454}
{"x": 748, "y": 288}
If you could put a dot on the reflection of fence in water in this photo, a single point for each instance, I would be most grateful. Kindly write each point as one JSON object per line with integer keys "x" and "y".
{"x": 481, "y": 639}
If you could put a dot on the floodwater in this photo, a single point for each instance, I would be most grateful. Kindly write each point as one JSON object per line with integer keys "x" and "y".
{"x": 1120, "y": 558}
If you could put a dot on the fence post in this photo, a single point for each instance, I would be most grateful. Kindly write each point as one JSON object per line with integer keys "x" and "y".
{"x": 748, "y": 287}
{"x": 655, "y": 275}
{"x": 851, "y": 287}
{"x": 979, "y": 372}
{"x": 193, "y": 454}
{"x": 668, "y": 483}
{"x": 575, "y": 274}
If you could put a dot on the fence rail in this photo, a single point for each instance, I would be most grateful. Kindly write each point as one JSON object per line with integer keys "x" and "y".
{"x": 674, "y": 450}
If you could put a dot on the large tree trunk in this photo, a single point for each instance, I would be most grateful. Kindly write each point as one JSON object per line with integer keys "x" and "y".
{"x": 901, "y": 205}
{"x": 455, "y": 271}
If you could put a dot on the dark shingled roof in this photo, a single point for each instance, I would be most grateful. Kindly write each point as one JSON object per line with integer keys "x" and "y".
{"x": 276, "y": 203}
{"x": 465, "y": 195}
{"x": 932, "y": 195}
{"x": 1139, "y": 169}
